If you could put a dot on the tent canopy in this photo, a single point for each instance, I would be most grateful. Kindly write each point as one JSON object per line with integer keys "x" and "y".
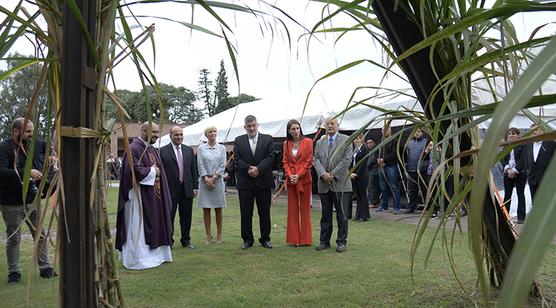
{"x": 274, "y": 114}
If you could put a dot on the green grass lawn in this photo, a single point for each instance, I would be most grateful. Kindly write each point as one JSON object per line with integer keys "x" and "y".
{"x": 374, "y": 271}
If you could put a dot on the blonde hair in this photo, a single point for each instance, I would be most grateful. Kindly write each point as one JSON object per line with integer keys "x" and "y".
{"x": 208, "y": 129}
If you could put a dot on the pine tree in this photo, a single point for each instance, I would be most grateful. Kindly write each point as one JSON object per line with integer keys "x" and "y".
{"x": 221, "y": 90}
{"x": 204, "y": 93}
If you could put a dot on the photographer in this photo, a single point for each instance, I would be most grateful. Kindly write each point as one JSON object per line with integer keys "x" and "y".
{"x": 13, "y": 155}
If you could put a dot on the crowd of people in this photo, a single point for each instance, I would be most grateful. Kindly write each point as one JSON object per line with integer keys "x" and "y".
{"x": 343, "y": 171}
{"x": 168, "y": 182}
{"x": 157, "y": 184}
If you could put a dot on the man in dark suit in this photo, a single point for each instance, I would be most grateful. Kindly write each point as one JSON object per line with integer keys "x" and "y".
{"x": 181, "y": 172}
{"x": 360, "y": 179}
{"x": 253, "y": 157}
{"x": 539, "y": 155}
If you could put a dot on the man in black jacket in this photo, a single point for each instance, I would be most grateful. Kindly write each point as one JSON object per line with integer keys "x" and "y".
{"x": 388, "y": 172}
{"x": 253, "y": 157}
{"x": 13, "y": 155}
{"x": 539, "y": 155}
{"x": 181, "y": 172}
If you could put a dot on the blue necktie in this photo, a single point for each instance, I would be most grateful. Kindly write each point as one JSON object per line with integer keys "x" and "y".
{"x": 330, "y": 144}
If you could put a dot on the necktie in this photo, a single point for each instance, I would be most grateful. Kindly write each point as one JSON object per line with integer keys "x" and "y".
{"x": 330, "y": 144}
{"x": 253, "y": 142}
{"x": 180, "y": 163}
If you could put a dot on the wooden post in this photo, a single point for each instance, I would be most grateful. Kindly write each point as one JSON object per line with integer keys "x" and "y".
{"x": 77, "y": 287}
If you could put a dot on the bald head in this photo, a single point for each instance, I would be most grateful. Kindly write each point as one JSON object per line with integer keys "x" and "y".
{"x": 176, "y": 135}
{"x": 331, "y": 124}
{"x": 155, "y": 132}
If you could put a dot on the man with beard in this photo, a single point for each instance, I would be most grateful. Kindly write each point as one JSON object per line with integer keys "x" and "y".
{"x": 13, "y": 157}
{"x": 143, "y": 227}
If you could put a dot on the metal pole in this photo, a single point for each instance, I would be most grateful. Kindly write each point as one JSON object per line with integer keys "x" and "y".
{"x": 77, "y": 110}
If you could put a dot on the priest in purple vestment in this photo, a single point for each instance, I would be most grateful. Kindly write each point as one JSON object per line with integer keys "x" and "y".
{"x": 143, "y": 227}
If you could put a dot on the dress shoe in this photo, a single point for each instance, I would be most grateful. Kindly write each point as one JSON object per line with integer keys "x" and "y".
{"x": 322, "y": 246}
{"x": 520, "y": 221}
{"x": 266, "y": 244}
{"x": 246, "y": 245}
{"x": 14, "y": 277}
{"x": 48, "y": 273}
{"x": 187, "y": 245}
{"x": 341, "y": 248}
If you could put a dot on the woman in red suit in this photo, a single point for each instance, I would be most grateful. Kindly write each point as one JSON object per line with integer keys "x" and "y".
{"x": 297, "y": 160}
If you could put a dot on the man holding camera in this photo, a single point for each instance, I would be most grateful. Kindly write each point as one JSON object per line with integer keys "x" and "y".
{"x": 13, "y": 156}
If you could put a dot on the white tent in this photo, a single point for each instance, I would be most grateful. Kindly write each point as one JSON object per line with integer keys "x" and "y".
{"x": 273, "y": 115}
{"x": 482, "y": 94}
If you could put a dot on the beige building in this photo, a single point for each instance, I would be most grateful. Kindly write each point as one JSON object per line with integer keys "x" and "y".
{"x": 133, "y": 131}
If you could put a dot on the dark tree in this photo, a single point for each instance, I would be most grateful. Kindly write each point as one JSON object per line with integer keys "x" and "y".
{"x": 111, "y": 111}
{"x": 240, "y": 99}
{"x": 183, "y": 110}
{"x": 221, "y": 90}
{"x": 204, "y": 94}
{"x": 16, "y": 92}
{"x": 178, "y": 104}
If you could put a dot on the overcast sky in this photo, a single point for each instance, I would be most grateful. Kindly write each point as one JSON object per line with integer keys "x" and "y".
{"x": 268, "y": 68}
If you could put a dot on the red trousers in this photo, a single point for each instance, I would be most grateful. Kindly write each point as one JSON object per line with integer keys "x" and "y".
{"x": 298, "y": 230}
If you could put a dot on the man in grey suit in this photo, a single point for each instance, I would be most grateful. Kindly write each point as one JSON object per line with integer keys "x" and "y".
{"x": 331, "y": 161}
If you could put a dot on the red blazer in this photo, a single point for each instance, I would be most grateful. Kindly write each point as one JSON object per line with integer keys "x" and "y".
{"x": 301, "y": 165}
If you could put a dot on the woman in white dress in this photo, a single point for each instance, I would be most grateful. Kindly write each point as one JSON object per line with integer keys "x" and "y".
{"x": 211, "y": 159}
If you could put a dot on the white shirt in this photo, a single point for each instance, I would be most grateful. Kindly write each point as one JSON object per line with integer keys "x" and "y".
{"x": 253, "y": 142}
{"x": 536, "y": 149}
{"x": 511, "y": 163}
